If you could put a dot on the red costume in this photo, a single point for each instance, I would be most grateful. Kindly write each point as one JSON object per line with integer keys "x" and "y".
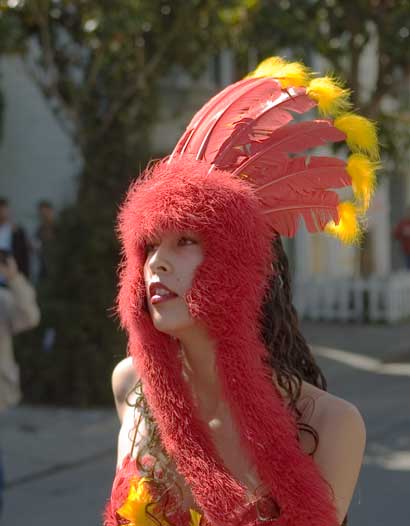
{"x": 238, "y": 178}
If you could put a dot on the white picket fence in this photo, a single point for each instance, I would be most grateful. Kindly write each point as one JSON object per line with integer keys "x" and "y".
{"x": 374, "y": 299}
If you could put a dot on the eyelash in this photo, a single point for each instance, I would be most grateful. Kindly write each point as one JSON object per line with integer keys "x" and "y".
{"x": 150, "y": 246}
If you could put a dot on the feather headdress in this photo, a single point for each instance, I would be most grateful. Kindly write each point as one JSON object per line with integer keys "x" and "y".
{"x": 248, "y": 129}
{"x": 240, "y": 175}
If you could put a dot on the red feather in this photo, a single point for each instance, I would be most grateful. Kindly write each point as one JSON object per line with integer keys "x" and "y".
{"x": 183, "y": 141}
{"x": 301, "y": 174}
{"x": 316, "y": 208}
{"x": 226, "y": 112}
{"x": 209, "y": 109}
{"x": 262, "y": 120}
{"x": 221, "y": 97}
{"x": 289, "y": 139}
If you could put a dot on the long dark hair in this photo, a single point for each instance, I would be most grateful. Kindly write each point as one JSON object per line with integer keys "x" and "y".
{"x": 289, "y": 354}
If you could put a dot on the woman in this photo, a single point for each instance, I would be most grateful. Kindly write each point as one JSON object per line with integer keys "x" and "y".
{"x": 230, "y": 422}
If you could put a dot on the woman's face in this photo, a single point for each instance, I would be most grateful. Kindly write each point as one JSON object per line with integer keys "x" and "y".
{"x": 171, "y": 261}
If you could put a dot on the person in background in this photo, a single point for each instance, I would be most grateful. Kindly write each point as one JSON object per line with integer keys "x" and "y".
{"x": 18, "y": 312}
{"x": 13, "y": 238}
{"x": 402, "y": 234}
{"x": 44, "y": 237}
{"x": 42, "y": 243}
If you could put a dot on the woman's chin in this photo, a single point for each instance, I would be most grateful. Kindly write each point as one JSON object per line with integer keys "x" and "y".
{"x": 171, "y": 327}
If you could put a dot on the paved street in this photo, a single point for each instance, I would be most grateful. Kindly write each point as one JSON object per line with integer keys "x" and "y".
{"x": 59, "y": 465}
{"x": 382, "y": 496}
{"x": 60, "y": 462}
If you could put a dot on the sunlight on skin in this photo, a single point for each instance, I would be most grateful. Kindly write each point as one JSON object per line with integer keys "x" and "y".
{"x": 364, "y": 363}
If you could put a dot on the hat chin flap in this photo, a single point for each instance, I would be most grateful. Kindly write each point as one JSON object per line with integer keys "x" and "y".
{"x": 226, "y": 296}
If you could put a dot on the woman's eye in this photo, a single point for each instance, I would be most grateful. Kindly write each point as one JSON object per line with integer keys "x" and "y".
{"x": 149, "y": 247}
{"x": 186, "y": 240}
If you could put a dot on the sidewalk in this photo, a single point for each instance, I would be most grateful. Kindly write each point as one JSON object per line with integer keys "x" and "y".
{"x": 60, "y": 462}
{"x": 59, "y": 465}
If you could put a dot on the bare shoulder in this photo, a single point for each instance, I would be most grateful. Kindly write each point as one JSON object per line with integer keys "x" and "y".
{"x": 124, "y": 378}
{"x": 342, "y": 440}
{"x": 330, "y": 410}
{"x": 334, "y": 412}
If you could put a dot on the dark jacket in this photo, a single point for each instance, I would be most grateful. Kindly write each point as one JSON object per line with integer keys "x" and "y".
{"x": 21, "y": 250}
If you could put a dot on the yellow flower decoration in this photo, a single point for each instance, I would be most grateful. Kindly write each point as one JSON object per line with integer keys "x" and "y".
{"x": 133, "y": 510}
{"x": 195, "y": 517}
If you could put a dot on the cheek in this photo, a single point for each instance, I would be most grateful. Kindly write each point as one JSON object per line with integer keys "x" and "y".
{"x": 147, "y": 274}
{"x": 190, "y": 266}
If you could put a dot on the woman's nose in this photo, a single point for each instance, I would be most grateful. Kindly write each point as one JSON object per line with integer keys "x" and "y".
{"x": 159, "y": 262}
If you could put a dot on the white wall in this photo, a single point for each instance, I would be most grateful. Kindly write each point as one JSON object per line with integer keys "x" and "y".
{"x": 37, "y": 159}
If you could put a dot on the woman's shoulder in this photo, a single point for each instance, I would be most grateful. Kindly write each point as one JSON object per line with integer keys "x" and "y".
{"x": 332, "y": 409}
{"x": 124, "y": 378}
{"x": 342, "y": 440}
{"x": 329, "y": 409}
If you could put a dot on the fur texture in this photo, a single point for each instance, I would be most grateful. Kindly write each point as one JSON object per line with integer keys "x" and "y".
{"x": 236, "y": 237}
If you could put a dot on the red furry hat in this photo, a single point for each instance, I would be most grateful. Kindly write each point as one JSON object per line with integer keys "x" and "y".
{"x": 234, "y": 179}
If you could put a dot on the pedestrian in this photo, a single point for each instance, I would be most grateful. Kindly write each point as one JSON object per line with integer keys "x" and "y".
{"x": 18, "y": 312}
{"x": 42, "y": 245}
{"x": 44, "y": 238}
{"x": 402, "y": 233}
{"x": 228, "y": 421}
{"x": 13, "y": 238}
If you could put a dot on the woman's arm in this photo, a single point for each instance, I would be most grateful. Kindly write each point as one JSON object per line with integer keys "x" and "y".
{"x": 123, "y": 380}
{"x": 342, "y": 440}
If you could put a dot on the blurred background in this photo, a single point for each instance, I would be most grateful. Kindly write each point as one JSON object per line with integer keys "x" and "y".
{"x": 90, "y": 90}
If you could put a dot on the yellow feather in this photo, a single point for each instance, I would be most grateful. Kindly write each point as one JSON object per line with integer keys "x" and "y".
{"x": 361, "y": 134}
{"x": 330, "y": 95}
{"x": 195, "y": 517}
{"x": 348, "y": 229}
{"x": 363, "y": 173}
{"x": 289, "y": 74}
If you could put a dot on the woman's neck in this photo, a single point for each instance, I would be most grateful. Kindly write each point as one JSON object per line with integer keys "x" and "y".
{"x": 197, "y": 353}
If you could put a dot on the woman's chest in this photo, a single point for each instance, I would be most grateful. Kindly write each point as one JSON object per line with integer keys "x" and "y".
{"x": 226, "y": 440}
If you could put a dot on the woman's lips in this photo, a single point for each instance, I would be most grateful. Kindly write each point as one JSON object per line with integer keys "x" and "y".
{"x": 159, "y": 293}
{"x": 160, "y": 299}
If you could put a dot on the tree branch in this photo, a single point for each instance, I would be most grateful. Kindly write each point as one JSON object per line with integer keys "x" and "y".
{"x": 140, "y": 82}
{"x": 46, "y": 43}
{"x": 66, "y": 119}
{"x": 48, "y": 80}
{"x": 91, "y": 78}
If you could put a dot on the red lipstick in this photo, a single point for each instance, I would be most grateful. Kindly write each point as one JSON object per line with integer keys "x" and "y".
{"x": 159, "y": 293}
